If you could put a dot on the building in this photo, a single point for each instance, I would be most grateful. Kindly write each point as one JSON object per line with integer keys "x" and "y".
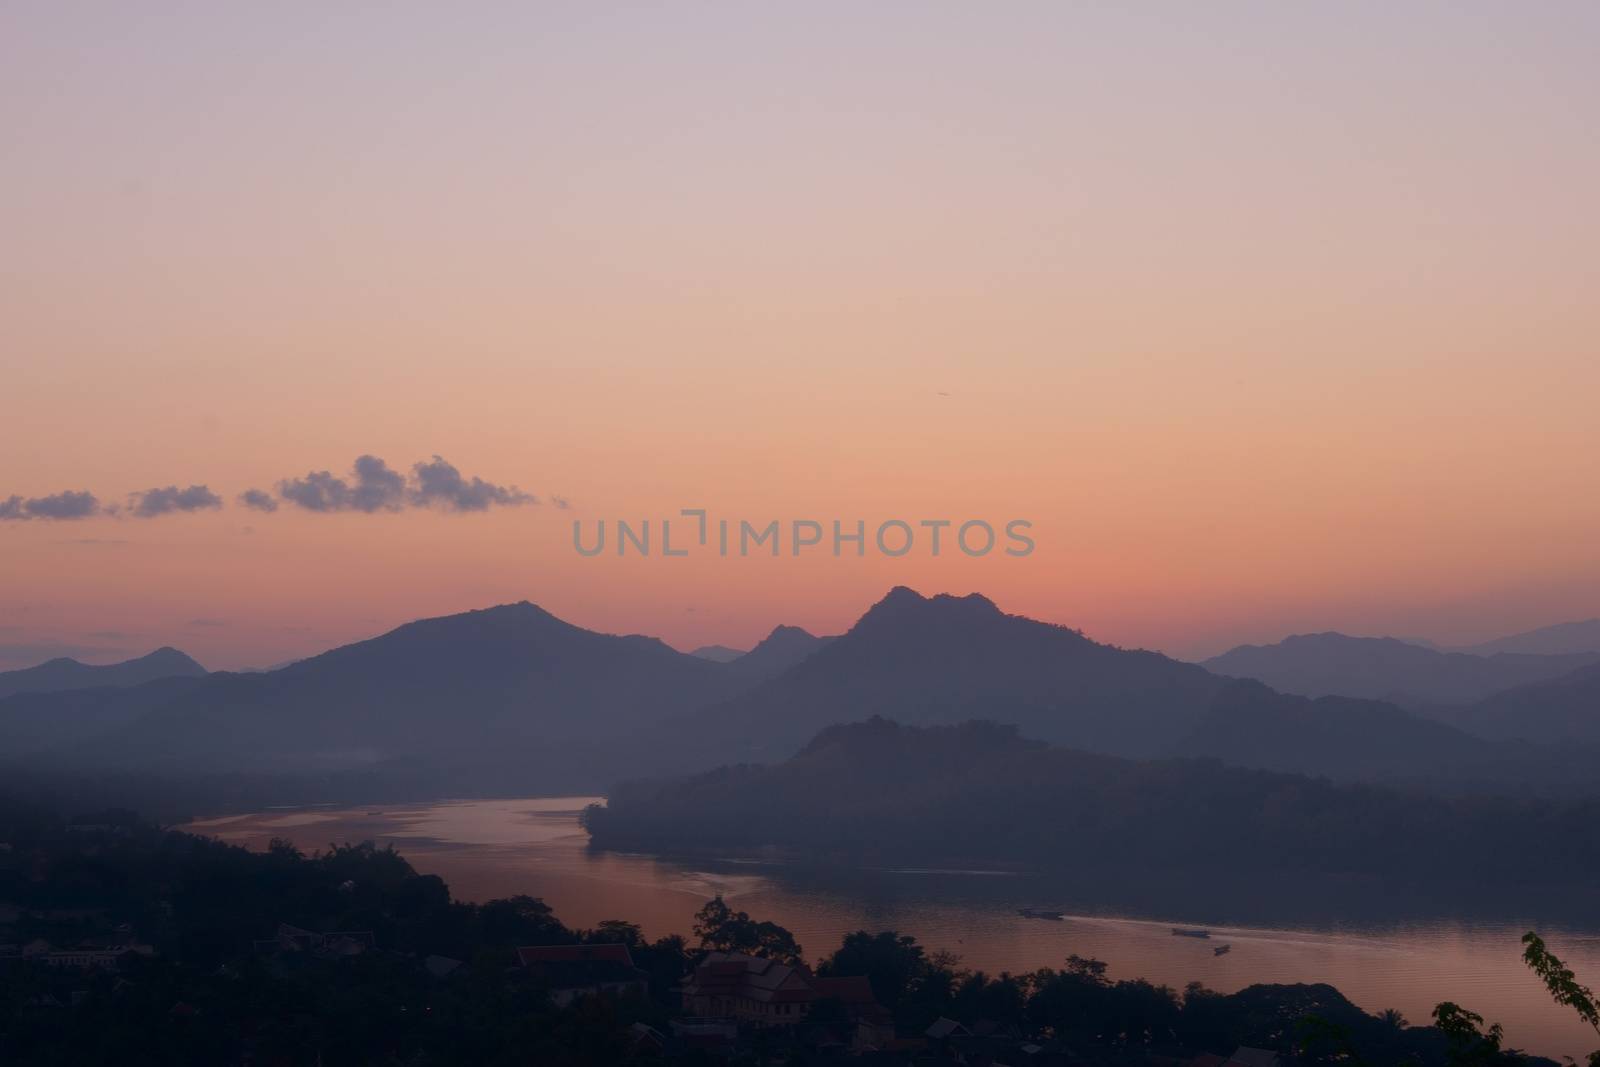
{"x": 573, "y": 971}
{"x": 751, "y": 989}
{"x": 82, "y": 957}
{"x": 331, "y": 945}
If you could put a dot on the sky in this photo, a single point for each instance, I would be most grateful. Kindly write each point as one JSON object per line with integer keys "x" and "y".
{"x": 1267, "y": 318}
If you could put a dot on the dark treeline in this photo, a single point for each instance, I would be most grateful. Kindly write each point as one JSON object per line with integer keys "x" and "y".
{"x": 206, "y": 993}
{"x": 978, "y": 793}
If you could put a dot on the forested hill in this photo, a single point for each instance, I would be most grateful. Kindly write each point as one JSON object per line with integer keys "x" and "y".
{"x": 980, "y": 793}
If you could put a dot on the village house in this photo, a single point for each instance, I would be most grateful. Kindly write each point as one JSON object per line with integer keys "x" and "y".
{"x": 331, "y": 945}
{"x": 749, "y": 988}
{"x": 766, "y": 992}
{"x": 82, "y": 957}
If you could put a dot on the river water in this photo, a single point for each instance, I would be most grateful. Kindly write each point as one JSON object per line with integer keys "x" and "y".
{"x": 1378, "y": 948}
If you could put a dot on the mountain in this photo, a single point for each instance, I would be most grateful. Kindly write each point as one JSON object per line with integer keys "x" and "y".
{"x": 59, "y": 674}
{"x": 37, "y": 722}
{"x": 1383, "y": 668}
{"x": 878, "y": 793}
{"x": 1560, "y": 711}
{"x": 512, "y": 688}
{"x": 784, "y": 647}
{"x": 1561, "y": 639}
{"x": 717, "y": 653}
{"x": 777, "y": 652}
{"x": 946, "y": 659}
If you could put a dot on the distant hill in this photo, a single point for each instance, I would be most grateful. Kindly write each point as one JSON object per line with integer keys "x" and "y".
{"x": 1353, "y": 740}
{"x": 1383, "y": 668}
{"x": 37, "y": 722}
{"x": 1563, "y": 638}
{"x": 1559, "y": 711}
{"x": 717, "y": 653}
{"x": 777, "y": 652}
{"x": 946, "y": 659}
{"x": 60, "y": 674}
{"x": 513, "y": 688}
{"x": 878, "y": 792}
{"x": 783, "y": 648}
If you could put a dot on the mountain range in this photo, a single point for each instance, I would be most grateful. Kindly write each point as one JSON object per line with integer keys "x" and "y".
{"x": 1383, "y": 668}
{"x": 512, "y": 698}
{"x": 1560, "y": 639}
{"x": 54, "y": 676}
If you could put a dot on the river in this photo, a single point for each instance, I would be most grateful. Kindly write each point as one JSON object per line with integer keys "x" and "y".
{"x": 1408, "y": 959}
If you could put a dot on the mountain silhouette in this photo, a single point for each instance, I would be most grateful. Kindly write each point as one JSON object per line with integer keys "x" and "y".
{"x": 978, "y": 794}
{"x": 1562, "y": 638}
{"x": 1562, "y": 710}
{"x": 496, "y": 686}
{"x": 33, "y": 722}
{"x": 56, "y": 675}
{"x": 784, "y": 647}
{"x": 1383, "y": 668}
{"x": 717, "y": 653}
{"x": 947, "y": 659}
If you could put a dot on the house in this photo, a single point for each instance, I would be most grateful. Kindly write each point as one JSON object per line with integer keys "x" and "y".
{"x": 332, "y": 945}
{"x": 573, "y": 971}
{"x": 83, "y": 957}
{"x": 944, "y": 1029}
{"x": 749, "y": 988}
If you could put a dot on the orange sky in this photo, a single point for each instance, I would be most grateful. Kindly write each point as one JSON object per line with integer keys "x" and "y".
{"x": 1267, "y": 319}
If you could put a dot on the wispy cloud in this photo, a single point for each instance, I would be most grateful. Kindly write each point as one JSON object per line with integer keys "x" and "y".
{"x": 370, "y": 486}
{"x": 153, "y": 502}
{"x": 373, "y": 486}
{"x": 258, "y": 500}
{"x": 70, "y": 504}
{"x": 438, "y": 483}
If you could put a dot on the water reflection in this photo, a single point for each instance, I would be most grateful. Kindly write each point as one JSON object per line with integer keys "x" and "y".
{"x": 1383, "y": 946}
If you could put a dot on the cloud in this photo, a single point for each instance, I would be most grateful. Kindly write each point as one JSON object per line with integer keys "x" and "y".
{"x": 153, "y": 502}
{"x": 67, "y": 505}
{"x": 439, "y": 484}
{"x": 371, "y": 486}
{"x": 560, "y": 501}
{"x": 377, "y": 487}
{"x": 258, "y": 500}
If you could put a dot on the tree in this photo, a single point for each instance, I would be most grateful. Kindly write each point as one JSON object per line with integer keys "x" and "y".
{"x": 721, "y": 929}
{"x": 617, "y": 931}
{"x": 1470, "y": 1044}
{"x": 1562, "y": 984}
{"x": 890, "y": 961}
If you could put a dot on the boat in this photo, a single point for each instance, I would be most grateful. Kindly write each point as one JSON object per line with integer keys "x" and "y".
{"x": 1041, "y": 913}
{"x": 1221, "y": 950}
{"x": 1180, "y": 931}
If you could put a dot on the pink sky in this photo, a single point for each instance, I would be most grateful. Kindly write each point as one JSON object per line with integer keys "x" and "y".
{"x": 1268, "y": 319}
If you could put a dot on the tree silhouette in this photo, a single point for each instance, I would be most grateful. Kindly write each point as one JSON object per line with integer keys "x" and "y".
{"x": 1562, "y": 984}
